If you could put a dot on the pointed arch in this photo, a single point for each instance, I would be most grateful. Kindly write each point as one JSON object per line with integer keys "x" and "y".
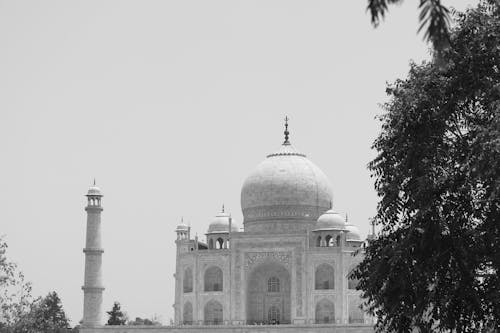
{"x": 325, "y": 312}
{"x": 258, "y": 298}
{"x": 187, "y": 280}
{"x": 219, "y": 243}
{"x": 352, "y": 282}
{"x": 187, "y": 314}
{"x": 273, "y": 315}
{"x": 356, "y": 315}
{"x": 324, "y": 277}
{"x": 213, "y": 279}
{"x": 213, "y": 313}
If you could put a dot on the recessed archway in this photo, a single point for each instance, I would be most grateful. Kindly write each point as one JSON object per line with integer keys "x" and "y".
{"x": 268, "y": 294}
{"x": 325, "y": 312}
{"x": 187, "y": 314}
{"x": 324, "y": 277}
{"x": 187, "y": 280}
{"x": 213, "y": 279}
{"x": 213, "y": 313}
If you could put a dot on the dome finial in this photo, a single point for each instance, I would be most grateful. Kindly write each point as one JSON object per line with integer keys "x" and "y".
{"x": 286, "y": 131}
{"x": 223, "y": 208}
{"x": 94, "y": 181}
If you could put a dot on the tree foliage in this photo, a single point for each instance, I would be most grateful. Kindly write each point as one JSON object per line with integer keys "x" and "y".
{"x": 435, "y": 264}
{"x": 116, "y": 315}
{"x": 15, "y": 292}
{"x": 434, "y": 18}
{"x": 45, "y": 315}
{"x": 144, "y": 322}
{"x": 19, "y": 312}
{"x": 49, "y": 314}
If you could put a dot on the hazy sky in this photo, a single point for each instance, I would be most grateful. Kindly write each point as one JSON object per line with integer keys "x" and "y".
{"x": 170, "y": 105}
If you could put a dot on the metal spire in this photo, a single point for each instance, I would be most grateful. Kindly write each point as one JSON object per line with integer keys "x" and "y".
{"x": 286, "y": 131}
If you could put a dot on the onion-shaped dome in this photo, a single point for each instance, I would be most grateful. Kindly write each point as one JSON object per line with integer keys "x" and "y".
{"x": 330, "y": 220}
{"x": 286, "y": 186}
{"x": 220, "y": 224}
{"x": 182, "y": 226}
{"x": 94, "y": 191}
{"x": 353, "y": 233}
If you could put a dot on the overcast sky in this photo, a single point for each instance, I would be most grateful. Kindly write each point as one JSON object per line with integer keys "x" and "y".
{"x": 170, "y": 105}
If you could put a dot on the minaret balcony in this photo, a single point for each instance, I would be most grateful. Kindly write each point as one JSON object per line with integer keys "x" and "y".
{"x": 93, "y": 288}
{"x": 93, "y": 250}
{"x": 94, "y": 209}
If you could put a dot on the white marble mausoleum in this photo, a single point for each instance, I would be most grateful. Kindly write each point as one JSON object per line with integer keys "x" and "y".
{"x": 284, "y": 269}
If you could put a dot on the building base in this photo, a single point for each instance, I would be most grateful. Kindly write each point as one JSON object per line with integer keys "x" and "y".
{"x": 320, "y": 328}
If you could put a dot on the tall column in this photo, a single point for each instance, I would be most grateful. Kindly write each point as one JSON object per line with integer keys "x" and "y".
{"x": 183, "y": 232}
{"x": 93, "y": 287}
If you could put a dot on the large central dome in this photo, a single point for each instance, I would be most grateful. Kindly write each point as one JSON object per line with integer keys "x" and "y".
{"x": 285, "y": 193}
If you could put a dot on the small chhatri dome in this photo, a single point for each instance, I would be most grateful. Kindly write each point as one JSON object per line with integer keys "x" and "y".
{"x": 182, "y": 226}
{"x": 353, "y": 233}
{"x": 220, "y": 223}
{"x": 330, "y": 220}
{"x": 285, "y": 191}
{"x": 94, "y": 191}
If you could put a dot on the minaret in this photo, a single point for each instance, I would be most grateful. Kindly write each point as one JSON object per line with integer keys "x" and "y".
{"x": 372, "y": 235}
{"x": 182, "y": 242}
{"x": 92, "y": 287}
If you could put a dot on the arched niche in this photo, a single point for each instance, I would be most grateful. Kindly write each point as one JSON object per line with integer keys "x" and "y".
{"x": 213, "y": 279}
{"x": 325, "y": 312}
{"x": 268, "y": 292}
{"x": 324, "y": 277}
{"x": 219, "y": 243}
{"x": 274, "y": 315}
{"x": 328, "y": 240}
{"x": 356, "y": 315}
{"x": 187, "y": 314}
{"x": 213, "y": 313}
{"x": 352, "y": 282}
{"x": 187, "y": 280}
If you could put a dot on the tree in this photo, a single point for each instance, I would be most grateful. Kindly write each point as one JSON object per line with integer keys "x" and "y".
{"x": 116, "y": 316}
{"x": 19, "y": 312}
{"x": 434, "y": 265}
{"x": 144, "y": 322}
{"x": 434, "y": 17}
{"x": 44, "y": 315}
{"x": 15, "y": 292}
{"x": 49, "y": 314}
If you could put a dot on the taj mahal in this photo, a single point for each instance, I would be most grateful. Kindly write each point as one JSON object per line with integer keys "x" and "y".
{"x": 285, "y": 269}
